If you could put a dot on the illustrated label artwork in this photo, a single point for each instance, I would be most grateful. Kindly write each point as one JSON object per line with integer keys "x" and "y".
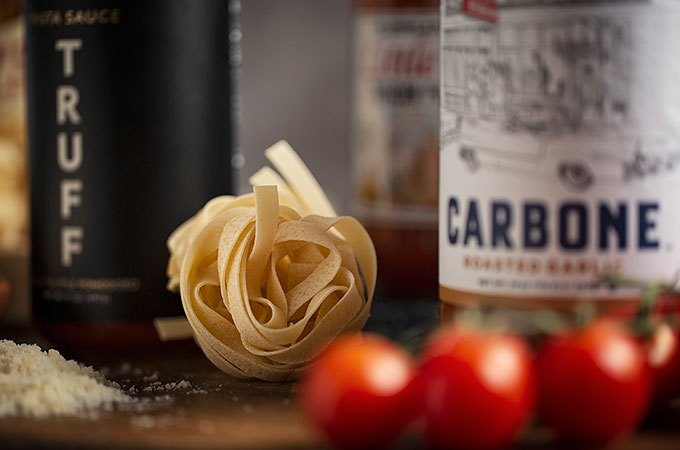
{"x": 560, "y": 148}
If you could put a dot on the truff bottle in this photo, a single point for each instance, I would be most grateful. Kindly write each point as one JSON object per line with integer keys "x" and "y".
{"x": 131, "y": 131}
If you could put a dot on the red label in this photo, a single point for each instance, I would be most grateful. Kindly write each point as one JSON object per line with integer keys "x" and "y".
{"x": 481, "y": 9}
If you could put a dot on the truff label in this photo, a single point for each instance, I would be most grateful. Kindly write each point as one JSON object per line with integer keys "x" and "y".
{"x": 69, "y": 153}
{"x": 560, "y": 149}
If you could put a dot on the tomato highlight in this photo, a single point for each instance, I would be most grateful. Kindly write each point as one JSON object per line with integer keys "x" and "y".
{"x": 593, "y": 383}
{"x": 358, "y": 392}
{"x": 477, "y": 388}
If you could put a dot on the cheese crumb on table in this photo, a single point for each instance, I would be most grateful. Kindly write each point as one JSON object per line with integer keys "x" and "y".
{"x": 39, "y": 384}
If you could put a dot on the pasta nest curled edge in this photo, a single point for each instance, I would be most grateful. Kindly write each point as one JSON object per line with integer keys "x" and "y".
{"x": 265, "y": 285}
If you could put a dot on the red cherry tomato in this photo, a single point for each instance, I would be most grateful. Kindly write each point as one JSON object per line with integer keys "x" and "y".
{"x": 477, "y": 388}
{"x": 594, "y": 383}
{"x": 663, "y": 356}
{"x": 358, "y": 391}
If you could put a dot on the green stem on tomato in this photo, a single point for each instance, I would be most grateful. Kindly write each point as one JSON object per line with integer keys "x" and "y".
{"x": 641, "y": 323}
{"x": 584, "y": 312}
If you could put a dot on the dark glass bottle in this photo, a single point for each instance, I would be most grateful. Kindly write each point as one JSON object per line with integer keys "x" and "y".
{"x": 130, "y": 132}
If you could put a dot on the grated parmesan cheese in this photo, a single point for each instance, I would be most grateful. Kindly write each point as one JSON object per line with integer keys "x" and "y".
{"x": 38, "y": 384}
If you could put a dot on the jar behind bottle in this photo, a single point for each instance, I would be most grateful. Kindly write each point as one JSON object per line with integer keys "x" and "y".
{"x": 395, "y": 146}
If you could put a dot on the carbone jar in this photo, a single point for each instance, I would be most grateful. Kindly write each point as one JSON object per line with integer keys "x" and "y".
{"x": 560, "y": 149}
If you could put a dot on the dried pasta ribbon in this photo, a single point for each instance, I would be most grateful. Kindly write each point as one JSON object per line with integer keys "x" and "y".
{"x": 266, "y": 280}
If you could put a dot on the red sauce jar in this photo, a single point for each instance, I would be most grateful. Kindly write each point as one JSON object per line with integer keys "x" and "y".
{"x": 395, "y": 147}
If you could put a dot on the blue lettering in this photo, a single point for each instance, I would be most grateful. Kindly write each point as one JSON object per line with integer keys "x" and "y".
{"x": 535, "y": 230}
{"x": 581, "y": 239}
{"x": 614, "y": 221}
{"x": 453, "y": 211}
{"x": 572, "y": 230}
{"x": 472, "y": 228}
{"x": 646, "y": 224}
{"x": 501, "y": 219}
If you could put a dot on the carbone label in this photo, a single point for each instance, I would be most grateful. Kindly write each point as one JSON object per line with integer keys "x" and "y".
{"x": 560, "y": 148}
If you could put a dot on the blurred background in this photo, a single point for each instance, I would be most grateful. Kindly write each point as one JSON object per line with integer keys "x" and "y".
{"x": 297, "y": 82}
{"x": 296, "y": 86}
{"x": 14, "y": 240}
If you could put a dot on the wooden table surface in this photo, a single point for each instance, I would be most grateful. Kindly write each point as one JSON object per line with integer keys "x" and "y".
{"x": 220, "y": 412}
{"x": 217, "y": 411}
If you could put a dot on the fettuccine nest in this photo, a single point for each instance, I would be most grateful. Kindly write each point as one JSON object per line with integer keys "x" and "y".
{"x": 268, "y": 279}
